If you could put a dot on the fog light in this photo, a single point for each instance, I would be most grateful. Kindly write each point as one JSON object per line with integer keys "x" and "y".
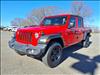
{"x": 30, "y": 51}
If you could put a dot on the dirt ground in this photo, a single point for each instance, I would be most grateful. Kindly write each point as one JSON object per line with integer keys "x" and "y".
{"x": 75, "y": 61}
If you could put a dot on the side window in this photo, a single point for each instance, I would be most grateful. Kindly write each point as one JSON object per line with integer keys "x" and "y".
{"x": 79, "y": 22}
{"x": 72, "y": 22}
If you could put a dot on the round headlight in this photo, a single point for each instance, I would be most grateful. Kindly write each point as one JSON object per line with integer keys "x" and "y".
{"x": 36, "y": 35}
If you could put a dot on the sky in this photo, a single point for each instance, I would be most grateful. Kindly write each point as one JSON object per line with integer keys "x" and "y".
{"x": 20, "y": 9}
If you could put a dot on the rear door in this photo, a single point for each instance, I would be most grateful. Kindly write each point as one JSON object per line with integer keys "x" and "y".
{"x": 71, "y": 30}
{"x": 79, "y": 29}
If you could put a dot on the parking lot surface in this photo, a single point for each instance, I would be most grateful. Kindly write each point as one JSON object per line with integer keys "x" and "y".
{"x": 76, "y": 60}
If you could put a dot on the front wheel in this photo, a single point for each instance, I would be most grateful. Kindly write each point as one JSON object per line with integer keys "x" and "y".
{"x": 53, "y": 56}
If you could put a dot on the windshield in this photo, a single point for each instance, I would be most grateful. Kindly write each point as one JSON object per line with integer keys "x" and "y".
{"x": 55, "y": 21}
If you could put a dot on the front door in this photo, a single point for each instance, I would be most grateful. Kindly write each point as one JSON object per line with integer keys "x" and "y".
{"x": 70, "y": 32}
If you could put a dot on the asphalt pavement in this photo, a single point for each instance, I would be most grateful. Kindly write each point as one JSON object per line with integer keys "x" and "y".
{"x": 76, "y": 60}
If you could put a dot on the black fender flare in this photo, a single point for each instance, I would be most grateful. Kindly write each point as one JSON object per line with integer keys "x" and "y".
{"x": 45, "y": 39}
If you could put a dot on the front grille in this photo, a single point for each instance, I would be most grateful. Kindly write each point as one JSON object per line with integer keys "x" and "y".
{"x": 25, "y": 36}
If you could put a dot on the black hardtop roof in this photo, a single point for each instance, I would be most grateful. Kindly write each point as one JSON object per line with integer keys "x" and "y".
{"x": 64, "y": 15}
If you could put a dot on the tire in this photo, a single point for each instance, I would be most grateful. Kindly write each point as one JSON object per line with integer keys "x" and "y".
{"x": 53, "y": 55}
{"x": 10, "y": 30}
{"x": 86, "y": 42}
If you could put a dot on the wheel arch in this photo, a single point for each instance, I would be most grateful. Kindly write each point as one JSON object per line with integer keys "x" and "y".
{"x": 51, "y": 39}
{"x": 85, "y": 35}
{"x": 46, "y": 39}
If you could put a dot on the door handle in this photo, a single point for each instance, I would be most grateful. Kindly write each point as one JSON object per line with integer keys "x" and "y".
{"x": 73, "y": 30}
{"x": 77, "y": 32}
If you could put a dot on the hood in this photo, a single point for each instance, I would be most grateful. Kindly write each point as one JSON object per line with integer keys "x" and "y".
{"x": 37, "y": 28}
{"x": 45, "y": 29}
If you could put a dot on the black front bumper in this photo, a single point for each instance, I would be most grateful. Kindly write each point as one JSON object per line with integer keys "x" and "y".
{"x": 27, "y": 49}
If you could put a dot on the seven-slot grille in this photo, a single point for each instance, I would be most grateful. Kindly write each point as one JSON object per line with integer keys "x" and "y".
{"x": 25, "y": 36}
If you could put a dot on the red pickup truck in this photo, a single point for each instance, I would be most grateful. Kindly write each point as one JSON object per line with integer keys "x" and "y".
{"x": 47, "y": 40}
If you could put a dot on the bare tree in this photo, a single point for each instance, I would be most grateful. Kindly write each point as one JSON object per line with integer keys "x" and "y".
{"x": 35, "y": 16}
{"x": 38, "y": 14}
{"x": 13, "y": 23}
{"x": 16, "y": 22}
{"x": 79, "y": 8}
{"x": 21, "y": 22}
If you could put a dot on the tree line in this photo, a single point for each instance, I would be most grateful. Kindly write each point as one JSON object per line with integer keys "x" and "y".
{"x": 36, "y": 15}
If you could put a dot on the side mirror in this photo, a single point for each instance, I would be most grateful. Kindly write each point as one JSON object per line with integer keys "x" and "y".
{"x": 71, "y": 25}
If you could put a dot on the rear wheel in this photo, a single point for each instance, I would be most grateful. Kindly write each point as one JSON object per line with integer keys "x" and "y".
{"x": 53, "y": 56}
{"x": 86, "y": 42}
{"x": 9, "y": 29}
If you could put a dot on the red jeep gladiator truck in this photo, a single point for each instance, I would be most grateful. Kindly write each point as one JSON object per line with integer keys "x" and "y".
{"x": 47, "y": 40}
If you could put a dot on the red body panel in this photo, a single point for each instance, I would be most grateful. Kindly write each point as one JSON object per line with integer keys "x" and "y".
{"x": 68, "y": 35}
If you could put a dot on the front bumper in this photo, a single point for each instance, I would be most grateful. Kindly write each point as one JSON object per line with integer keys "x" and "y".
{"x": 27, "y": 49}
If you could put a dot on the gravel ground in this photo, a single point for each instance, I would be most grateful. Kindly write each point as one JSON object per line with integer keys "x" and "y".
{"x": 75, "y": 61}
